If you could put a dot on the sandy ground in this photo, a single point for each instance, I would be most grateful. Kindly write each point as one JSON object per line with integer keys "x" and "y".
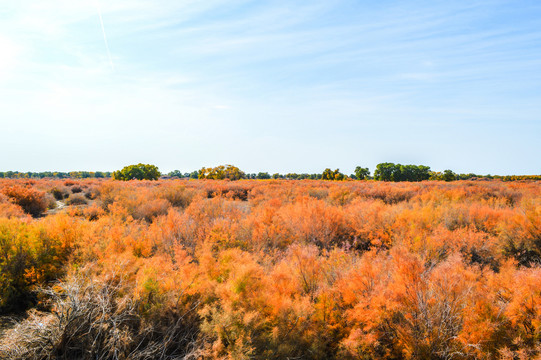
{"x": 59, "y": 206}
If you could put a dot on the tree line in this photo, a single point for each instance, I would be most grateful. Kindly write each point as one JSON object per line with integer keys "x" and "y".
{"x": 384, "y": 172}
{"x": 55, "y": 175}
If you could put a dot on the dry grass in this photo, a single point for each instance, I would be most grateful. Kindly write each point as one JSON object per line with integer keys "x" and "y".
{"x": 90, "y": 319}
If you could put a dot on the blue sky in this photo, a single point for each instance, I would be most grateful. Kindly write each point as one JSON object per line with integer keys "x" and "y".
{"x": 278, "y": 86}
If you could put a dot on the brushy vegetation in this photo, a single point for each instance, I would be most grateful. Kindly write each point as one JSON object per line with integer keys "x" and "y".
{"x": 32, "y": 201}
{"x": 271, "y": 269}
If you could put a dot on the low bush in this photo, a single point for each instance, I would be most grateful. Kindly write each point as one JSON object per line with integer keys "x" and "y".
{"x": 150, "y": 209}
{"x": 32, "y": 201}
{"x": 77, "y": 200}
{"x": 30, "y": 256}
{"x": 177, "y": 195}
{"x": 76, "y": 189}
{"x": 59, "y": 193}
{"x": 10, "y": 210}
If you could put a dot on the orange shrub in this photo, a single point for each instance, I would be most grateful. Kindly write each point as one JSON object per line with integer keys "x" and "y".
{"x": 32, "y": 201}
{"x": 9, "y": 209}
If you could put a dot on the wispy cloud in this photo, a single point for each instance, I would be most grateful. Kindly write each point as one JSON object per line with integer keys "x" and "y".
{"x": 193, "y": 75}
{"x": 104, "y": 35}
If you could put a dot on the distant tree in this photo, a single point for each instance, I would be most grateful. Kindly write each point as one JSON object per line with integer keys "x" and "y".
{"x": 338, "y": 176}
{"x": 399, "y": 172}
{"x": 362, "y": 173}
{"x": 137, "y": 172}
{"x": 222, "y": 172}
{"x": 422, "y": 173}
{"x": 449, "y": 175}
{"x": 335, "y": 175}
{"x": 176, "y": 173}
{"x": 384, "y": 172}
{"x": 436, "y": 175}
{"x": 263, "y": 175}
{"x": 327, "y": 174}
{"x": 292, "y": 176}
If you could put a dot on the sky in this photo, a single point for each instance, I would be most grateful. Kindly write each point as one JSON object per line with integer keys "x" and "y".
{"x": 277, "y": 86}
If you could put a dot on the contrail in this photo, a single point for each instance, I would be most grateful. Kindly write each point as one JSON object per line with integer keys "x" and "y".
{"x": 105, "y": 36}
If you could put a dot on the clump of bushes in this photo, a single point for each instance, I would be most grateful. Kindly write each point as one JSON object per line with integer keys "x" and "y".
{"x": 178, "y": 196}
{"x": 150, "y": 209}
{"x": 229, "y": 190}
{"x": 93, "y": 212}
{"x": 90, "y": 195}
{"x": 32, "y": 201}
{"x": 30, "y": 256}
{"x": 51, "y": 201}
{"x": 8, "y": 209}
{"x": 76, "y": 189}
{"x": 77, "y": 200}
{"x": 59, "y": 193}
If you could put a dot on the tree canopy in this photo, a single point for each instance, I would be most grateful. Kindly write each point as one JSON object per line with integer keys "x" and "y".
{"x": 137, "y": 172}
{"x": 222, "y": 172}
{"x": 328, "y": 174}
{"x": 399, "y": 172}
{"x": 362, "y": 173}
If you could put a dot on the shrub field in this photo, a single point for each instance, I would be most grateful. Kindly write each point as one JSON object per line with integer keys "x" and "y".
{"x": 269, "y": 269}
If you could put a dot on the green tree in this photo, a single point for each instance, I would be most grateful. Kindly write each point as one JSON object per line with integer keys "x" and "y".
{"x": 263, "y": 175}
{"x": 449, "y": 175}
{"x": 292, "y": 176}
{"x": 176, "y": 173}
{"x": 362, "y": 173}
{"x": 399, "y": 172}
{"x": 384, "y": 172}
{"x": 137, "y": 172}
{"x": 422, "y": 173}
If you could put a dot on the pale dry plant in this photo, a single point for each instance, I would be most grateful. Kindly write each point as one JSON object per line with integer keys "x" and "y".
{"x": 91, "y": 319}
